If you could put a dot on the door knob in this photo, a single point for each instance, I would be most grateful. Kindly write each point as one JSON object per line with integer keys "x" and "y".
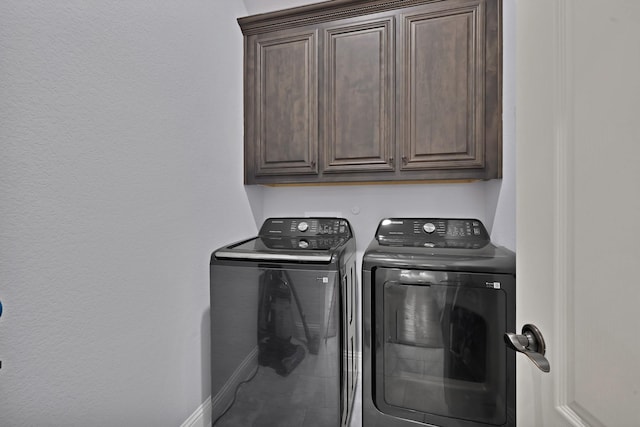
{"x": 531, "y": 343}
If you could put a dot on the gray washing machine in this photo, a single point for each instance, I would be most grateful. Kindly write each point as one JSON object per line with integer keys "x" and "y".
{"x": 438, "y": 298}
{"x": 283, "y": 326}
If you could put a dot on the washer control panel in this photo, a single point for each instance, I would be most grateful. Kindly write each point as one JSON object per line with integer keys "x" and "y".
{"x": 299, "y": 234}
{"x": 306, "y": 227}
{"x": 433, "y": 232}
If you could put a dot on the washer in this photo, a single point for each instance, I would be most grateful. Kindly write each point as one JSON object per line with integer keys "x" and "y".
{"x": 283, "y": 325}
{"x": 438, "y": 298}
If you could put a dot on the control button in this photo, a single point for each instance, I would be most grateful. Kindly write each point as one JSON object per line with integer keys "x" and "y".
{"x": 429, "y": 228}
{"x": 303, "y": 226}
{"x": 476, "y": 231}
{"x": 303, "y": 244}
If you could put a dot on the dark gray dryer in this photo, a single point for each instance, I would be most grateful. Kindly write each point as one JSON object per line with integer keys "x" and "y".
{"x": 283, "y": 326}
{"x": 438, "y": 298}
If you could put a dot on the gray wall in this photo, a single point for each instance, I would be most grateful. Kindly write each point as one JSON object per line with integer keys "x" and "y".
{"x": 120, "y": 171}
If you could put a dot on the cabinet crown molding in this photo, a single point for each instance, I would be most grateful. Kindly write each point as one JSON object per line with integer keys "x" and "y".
{"x": 320, "y": 12}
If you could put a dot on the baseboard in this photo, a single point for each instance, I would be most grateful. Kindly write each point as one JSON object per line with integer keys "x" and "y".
{"x": 224, "y": 397}
{"x": 214, "y": 407}
{"x": 201, "y": 417}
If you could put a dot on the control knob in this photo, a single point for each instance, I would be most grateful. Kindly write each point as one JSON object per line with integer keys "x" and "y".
{"x": 303, "y": 226}
{"x": 429, "y": 228}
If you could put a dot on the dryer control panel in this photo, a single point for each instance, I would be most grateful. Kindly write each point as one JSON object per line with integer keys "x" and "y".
{"x": 433, "y": 232}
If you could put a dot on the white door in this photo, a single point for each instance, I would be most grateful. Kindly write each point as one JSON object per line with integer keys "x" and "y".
{"x": 578, "y": 209}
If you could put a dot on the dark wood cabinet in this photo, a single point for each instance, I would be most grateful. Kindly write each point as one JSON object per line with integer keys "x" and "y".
{"x": 369, "y": 91}
{"x": 281, "y": 106}
{"x": 445, "y": 111}
{"x": 358, "y": 109}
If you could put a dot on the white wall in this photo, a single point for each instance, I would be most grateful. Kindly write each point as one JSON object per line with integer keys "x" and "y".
{"x": 262, "y": 6}
{"x": 120, "y": 171}
{"x": 365, "y": 205}
{"x": 500, "y": 195}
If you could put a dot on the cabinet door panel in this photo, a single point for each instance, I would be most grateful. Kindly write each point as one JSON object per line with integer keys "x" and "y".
{"x": 286, "y": 103}
{"x": 443, "y": 117}
{"x": 358, "y": 129}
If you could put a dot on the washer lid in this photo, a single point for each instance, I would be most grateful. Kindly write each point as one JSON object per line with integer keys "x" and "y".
{"x": 283, "y": 248}
{"x": 292, "y": 239}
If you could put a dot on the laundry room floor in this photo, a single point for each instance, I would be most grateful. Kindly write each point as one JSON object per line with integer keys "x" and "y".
{"x": 282, "y": 414}
{"x": 308, "y": 398}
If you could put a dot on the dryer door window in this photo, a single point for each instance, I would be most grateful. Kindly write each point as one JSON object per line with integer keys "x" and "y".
{"x": 440, "y": 353}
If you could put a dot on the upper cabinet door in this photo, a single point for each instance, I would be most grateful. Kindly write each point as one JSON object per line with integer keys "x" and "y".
{"x": 282, "y": 104}
{"x": 373, "y": 91}
{"x": 359, "y": 97}
{"x": 443, "y": 86}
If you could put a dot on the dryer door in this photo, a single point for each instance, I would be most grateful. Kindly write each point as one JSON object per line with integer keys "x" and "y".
{"x": 440, "y": 357}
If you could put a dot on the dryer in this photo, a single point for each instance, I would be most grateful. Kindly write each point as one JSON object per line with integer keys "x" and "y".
{"x": 438, "y": 298}
{"x": 283, "y": 325}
